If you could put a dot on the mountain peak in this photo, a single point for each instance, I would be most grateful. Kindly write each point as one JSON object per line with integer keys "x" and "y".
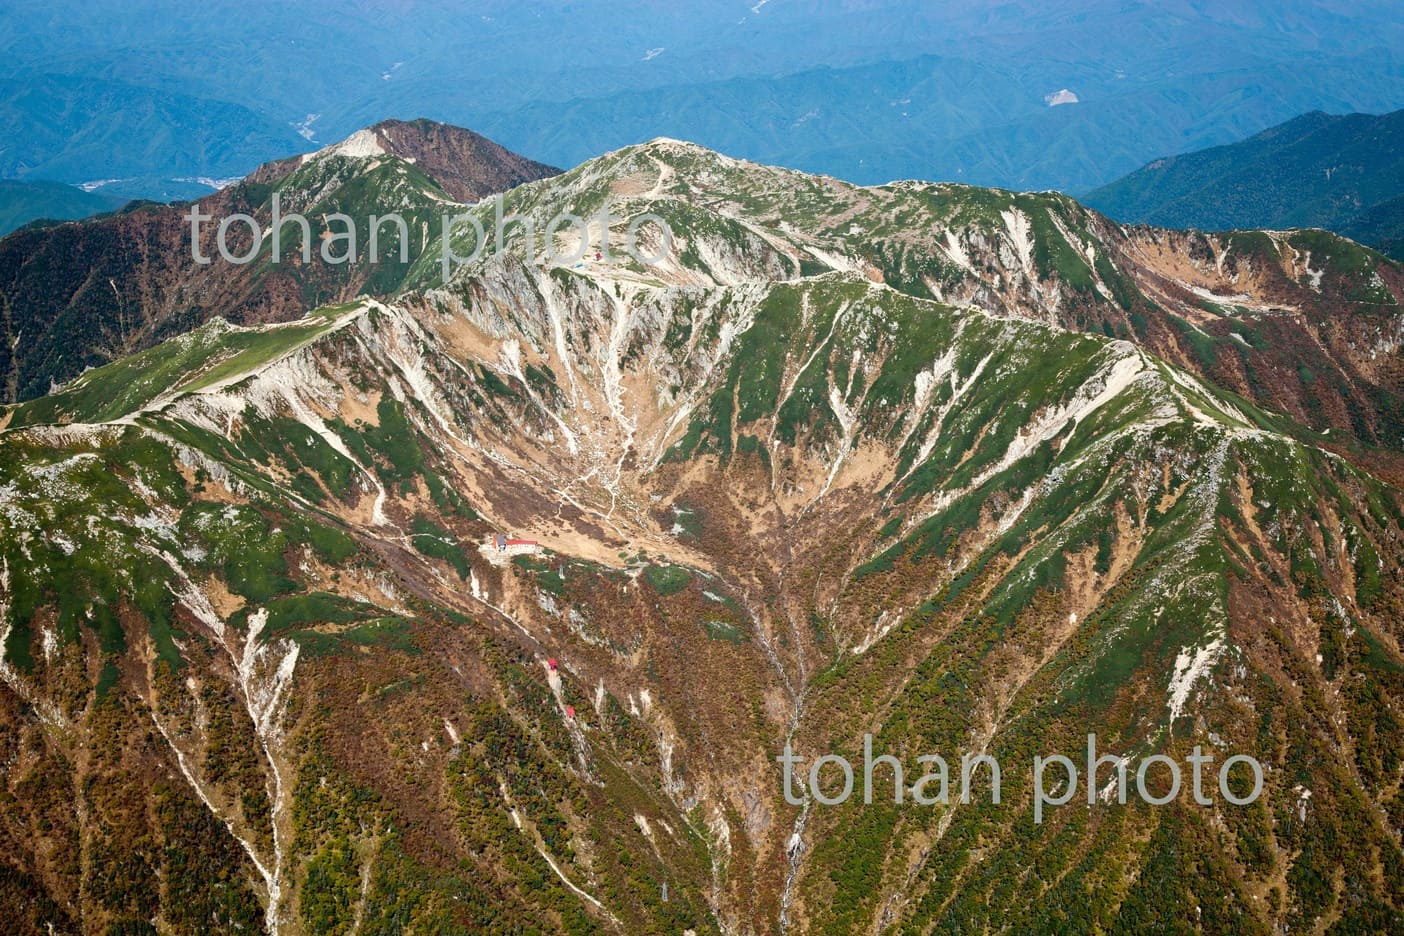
{"x": 666, "y": 148}
{"x": 362, "y": 144}
{"x": 467, "y": 165}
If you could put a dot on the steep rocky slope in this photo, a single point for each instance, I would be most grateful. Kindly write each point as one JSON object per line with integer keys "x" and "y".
{"x": 1302, "y": 322}
{"x": 830, "y": 468}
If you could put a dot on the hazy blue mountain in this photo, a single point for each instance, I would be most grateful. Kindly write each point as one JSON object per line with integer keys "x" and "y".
{"x": 84, "y": 128}
{"x": 1345, "y": 174}
{"x": 1381, "y": 226}
{"x": 957, "y": 119}
{"x": 869, "y": 91}
{"x": 23, "y": 202}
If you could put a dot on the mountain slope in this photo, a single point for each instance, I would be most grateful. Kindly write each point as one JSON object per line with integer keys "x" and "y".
{"x": 77, "y": 295}
{"x": 252, "y": 619}
{"x": 1303, "y": 323}
{"x": 1381, "y": 225}
{"x": 23, "y": 202}
{"x": 1318, "y": 170}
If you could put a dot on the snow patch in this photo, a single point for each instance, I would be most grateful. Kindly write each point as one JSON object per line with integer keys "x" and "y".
{"x": 955, "y": 252}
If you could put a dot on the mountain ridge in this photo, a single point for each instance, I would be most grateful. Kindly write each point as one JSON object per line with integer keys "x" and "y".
{"x": 1180, "y": 294}
{"x": 81, "y": 293}
{"x": 1317, "y": 170}
{"x": 26, "y": 202}
{"x": 1042, "y": 255}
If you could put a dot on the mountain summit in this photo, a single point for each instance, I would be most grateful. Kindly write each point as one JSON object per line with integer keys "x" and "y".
{"x": 467, "y": 166}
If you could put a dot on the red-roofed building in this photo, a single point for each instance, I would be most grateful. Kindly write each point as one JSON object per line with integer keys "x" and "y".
{"x": 505, "y": 546}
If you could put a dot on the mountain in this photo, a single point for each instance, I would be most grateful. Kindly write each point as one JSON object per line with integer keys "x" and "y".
{"x": 1344, "y": 174}
{"x": 81, "y": 128}
{"x": 468, "y": 167}
{"x": 23, "y": 202}
{"x": 1303, "y": 323}
{"x": 870, "y": 91}
{"x": 982, "y": 120}
{"x": 833, "y": 466}
{"x": 78, "y": 295}
{"x": 1380, "y": 225}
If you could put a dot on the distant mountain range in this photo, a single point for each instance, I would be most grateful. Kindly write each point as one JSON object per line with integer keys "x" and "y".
{"x": 869, "y": 92}
{"x": 1340, "y": 173}
{"x": 23, "y": 202}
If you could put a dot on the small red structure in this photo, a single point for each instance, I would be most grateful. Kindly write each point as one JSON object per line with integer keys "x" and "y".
{"x": 570, "y": 712}
{"x": 501, "y": 542}
{"x": 551, "y": 663}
